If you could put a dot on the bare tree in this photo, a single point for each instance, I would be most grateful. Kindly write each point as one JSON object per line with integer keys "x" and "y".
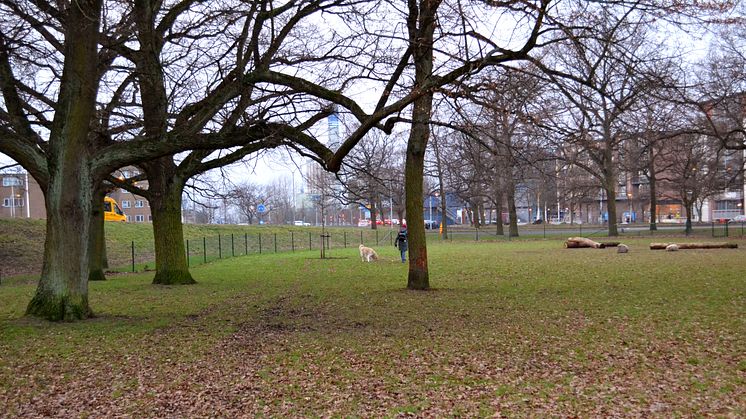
{"x": 695, "y": 171}
{"x": 246, "y": 197}
{"x": 609, "y": 60}
{"x": 368, "y": 173}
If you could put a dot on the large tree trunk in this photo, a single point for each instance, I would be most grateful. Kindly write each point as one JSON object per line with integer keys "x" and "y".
{"x": 165, "y": 189}
{"x": 688, "y": 206}
{"x": 499, "y": 230}
{"x": 421, "y": 27}
{"x": 611, "y": 209}
{"x": 62, "y": 293}
{"x": 97, "y": 243}
{"x": 413, "y": 173}
{"x": 653, "y": 200}
{"x": 512, "y": 212}
{"x": 609, "y": 187}
{"x": 373, "y": 214}
{"x": 443, "y": 213}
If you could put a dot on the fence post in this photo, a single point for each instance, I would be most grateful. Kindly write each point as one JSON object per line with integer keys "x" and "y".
{"x": 220, "y": 246}
{"x": 233, "y": 250}
{"x": 309, "y": 240}
{"x": 545, "y": 228}
{"x": 361, "y": 236}
{"x": 344, "y": 233}
{"x": 275, "y": 242}
{"x": 246, "y": 242}
{"x": 188, "y": 264}
{"x": 292, "y": 241}
{"x": 376, "y": 237}
{"x": 476, "y": 233}
{"x": 726, "y": 229}
{"x": 204, "y": 249}
{"x": 581, "y": 230}
{"x": 133, "y": 256}
{"x": 260, "y": 243}
{"x": 713, "y": 228}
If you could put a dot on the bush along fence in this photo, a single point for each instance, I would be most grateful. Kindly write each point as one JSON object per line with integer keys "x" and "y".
{"x": 141, "y": 256}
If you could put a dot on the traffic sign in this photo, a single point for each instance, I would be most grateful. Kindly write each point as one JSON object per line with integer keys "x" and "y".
{"x": 261, "y": 208}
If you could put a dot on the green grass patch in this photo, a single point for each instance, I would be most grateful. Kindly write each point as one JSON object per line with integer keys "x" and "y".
{"x": 521, "y": 328}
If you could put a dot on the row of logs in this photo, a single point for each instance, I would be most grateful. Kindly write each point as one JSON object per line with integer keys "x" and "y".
{"x": 582, "y": 242}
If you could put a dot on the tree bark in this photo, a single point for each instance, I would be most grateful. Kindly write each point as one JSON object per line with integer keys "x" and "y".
{"x": 512, "y": 212}
{"x": 165, "y": 189}
{"x": 499, "y": 229}
{"x": 421, "y": 27}
{"x": 97, "y": 243}
{"x": 610, "y": 189}
{"x": 418, "y": 278}
{"x": 653, "y": 199}
{"x": 688, "y": 206}
{"x": 442, "y": 191}
{"x": 62, "y": 293}
{"x": 373, "y": 210}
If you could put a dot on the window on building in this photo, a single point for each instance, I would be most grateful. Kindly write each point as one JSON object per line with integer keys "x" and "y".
{"x": 125, "y": 204}
{"x": 150, "y": 218}
{"x": 139, "y": 218}
{"x": 11, "y": 181}
{"x": 10, "y": 202}
{"x": 139, "y": 203}
{"x": 727, "y": 205}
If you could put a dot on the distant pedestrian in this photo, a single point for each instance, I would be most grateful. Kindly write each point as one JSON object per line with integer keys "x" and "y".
{"x": 401, "y": 243}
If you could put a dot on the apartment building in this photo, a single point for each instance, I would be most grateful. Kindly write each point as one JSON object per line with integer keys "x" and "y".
{"x": 21, "y": 196}
{"x": 135, "y": 207}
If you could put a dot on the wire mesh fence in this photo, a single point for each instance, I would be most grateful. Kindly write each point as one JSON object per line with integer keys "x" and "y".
{"x": 140, "y": 255}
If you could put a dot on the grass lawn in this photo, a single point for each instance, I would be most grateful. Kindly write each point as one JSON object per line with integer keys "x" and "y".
{"x": 522, "y": 328}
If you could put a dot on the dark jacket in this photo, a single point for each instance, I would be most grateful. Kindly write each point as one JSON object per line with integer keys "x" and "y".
{"x": 401, "y": 241}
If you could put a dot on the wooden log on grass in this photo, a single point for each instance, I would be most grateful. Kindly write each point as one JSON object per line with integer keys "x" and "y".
{"x": 582, "y": 242}
{"x": 610, "y": 244}
{"x": 711, "y": 245}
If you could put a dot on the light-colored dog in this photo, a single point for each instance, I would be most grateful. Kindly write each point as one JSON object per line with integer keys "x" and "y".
{"x": 367, "y": 254}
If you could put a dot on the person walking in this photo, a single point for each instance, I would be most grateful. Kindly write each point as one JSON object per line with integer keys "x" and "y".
{"x": 401, "y": 243}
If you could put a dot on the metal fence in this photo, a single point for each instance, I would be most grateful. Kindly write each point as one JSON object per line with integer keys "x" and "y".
{"x": 549, "y": 231}
{"x": 140, "y": 256}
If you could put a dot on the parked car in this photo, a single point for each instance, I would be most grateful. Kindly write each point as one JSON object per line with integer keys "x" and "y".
{"x": 431, "y": 224}
{"x": 363, "y": 223}
{"x": 738, "y": 219}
